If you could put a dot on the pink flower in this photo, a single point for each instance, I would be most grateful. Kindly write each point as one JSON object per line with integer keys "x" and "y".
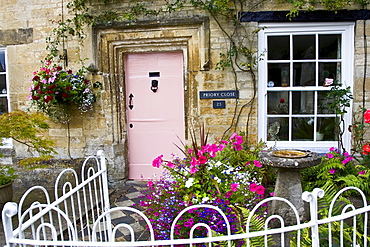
{"x": 150, "y": 184}
{"x": 234, "y": 187}
{"x": 332, "y": 149}
{"x": 228, "y": 194}
{"x": 193, "y": 170}
{"x": 346, "y": 160}
{"x": 248, "y": 163}
{"x": 238, "y": 147}
{"x": 253, "y": 187}
{"x": 47, "y": 62}
{"x": 202, "y": 159}
{"x": 361, "y": 172}
{"x": 157, "y": 161}
{"x": 193, "y": 162}
{"x": 272, "y": 194}
{"x": 233, "y": 136}
{"x": 170, "y": 164}
{"x": 257, "y": 163}
{"x": 330, "y": 156}
{"x": 190, "y": 151}
{"x": 259, "y": 189}
{"x": 332, "y": 171}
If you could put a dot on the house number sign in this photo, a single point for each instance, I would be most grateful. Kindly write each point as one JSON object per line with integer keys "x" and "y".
{"x": 228, "y": 94}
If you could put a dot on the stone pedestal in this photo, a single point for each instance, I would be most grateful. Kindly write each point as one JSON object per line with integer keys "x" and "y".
{"x": 288, "y": 184}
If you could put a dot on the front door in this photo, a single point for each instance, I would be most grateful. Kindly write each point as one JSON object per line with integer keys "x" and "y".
{"x": 155, "y": 110}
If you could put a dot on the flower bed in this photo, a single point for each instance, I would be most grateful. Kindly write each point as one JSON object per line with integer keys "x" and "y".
{"x": 221, "y": 174}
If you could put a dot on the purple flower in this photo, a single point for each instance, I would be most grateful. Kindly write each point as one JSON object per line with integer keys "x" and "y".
{"x": 332, "y": 171}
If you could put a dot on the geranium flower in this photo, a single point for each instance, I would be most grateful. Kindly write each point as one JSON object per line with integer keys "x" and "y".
{"x": 234, "y": 187}
{"x": 330, "y": 156}
{"x": 366, "y": 149}
{"x": 259, "y": 189}
{"x": 367, "y": 116}
{"x": 170, "y": 164}
{"x": 257, "y": 163}
{"x": 157, "y": 161}
{"x": 202, "y": 159}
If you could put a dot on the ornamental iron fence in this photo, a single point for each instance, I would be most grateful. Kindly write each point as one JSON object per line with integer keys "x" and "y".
{"x": 80, "y": 215}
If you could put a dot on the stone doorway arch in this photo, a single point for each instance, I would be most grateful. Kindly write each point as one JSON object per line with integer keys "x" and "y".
{"x": 191, "y": 36}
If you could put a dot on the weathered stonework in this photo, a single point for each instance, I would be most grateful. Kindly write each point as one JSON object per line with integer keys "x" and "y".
{"x": 26, "y": 24}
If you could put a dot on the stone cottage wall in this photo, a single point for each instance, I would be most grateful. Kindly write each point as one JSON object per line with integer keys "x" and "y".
{"x": 25, "y": 24}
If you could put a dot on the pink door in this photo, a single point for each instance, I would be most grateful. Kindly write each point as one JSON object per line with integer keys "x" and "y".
{"x": 155, "y": 110}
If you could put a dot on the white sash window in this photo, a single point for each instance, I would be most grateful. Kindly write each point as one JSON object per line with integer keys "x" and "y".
{"x": 299, "y": 60}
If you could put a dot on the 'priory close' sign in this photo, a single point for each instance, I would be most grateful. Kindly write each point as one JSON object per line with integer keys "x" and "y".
{"x": 227, "y": 94}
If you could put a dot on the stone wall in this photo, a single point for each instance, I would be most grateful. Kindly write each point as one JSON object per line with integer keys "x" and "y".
{"x": 25, "y": 25}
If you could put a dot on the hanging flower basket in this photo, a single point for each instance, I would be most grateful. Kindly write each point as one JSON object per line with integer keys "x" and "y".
{"x": 56, "y": 91}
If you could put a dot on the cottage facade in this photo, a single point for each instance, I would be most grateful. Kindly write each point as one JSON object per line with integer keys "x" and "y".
{"x": 160, "y": 78}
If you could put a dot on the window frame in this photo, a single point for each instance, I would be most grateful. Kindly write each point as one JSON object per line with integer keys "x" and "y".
{"x": 6, "y": 142}
{"x": 347, "y": 66}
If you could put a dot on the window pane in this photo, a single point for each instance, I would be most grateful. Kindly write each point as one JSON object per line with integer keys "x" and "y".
{"x": 278, "y": 48}
{"x": 278, "y": 129}
{"x": 304, "y": 47}
{"x": 329, "y": 46}
{"x": 2, "y": 61}
{"x": 278, "y": 73}
{"x": 3, "y": 105}
{"x": 304, "y": 74}
{"x": 2, "y": 84}
{"x": 326, "y": 127}
{"x": 278, "y": 102}
{"x": 302, "y": 128}
{"x": 329, "y": 70}
{"x": 323, "y": 103}
{"x": 303, "y": 102}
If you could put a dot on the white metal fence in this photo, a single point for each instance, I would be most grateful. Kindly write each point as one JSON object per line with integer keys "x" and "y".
{"x": 80, "y": 215}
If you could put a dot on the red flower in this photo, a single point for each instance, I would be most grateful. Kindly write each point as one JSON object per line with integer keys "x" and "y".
{"x": 35, "y": 97}
{"x": 48, "y": 98}
{"x": 366, "y": 149}
{"x": 367, "y": 116}
{"x": 50, "y": 92}
{"x": 68, "y": 88}
{"x": 36, "y": 78}
{"x": 202, "y": 159}
{"x": 282, "y": 100}
{"x": 59, "y": 68}
{"x": 52, "y": 86}
{"x": 69, "y": 71}
{"x": 37, "y": 87}
{"x": 86, "y": 81}
{"x": 64, "y": 95}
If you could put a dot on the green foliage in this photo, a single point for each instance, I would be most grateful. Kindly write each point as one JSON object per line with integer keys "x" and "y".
{"x": 25, "y": 128}
{"x": 7, "y": 174}
{"x": 323, "y": 212}
{"x": 310, "y": 5}
{"x": 336, "y": 170}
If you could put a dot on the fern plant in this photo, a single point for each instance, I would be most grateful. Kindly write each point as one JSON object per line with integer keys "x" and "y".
{"x": 323, "y": 212}
{"x": 338, "y": 170}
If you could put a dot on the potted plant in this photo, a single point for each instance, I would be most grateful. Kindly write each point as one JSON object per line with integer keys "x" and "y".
{"x": 7, "y": 174}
